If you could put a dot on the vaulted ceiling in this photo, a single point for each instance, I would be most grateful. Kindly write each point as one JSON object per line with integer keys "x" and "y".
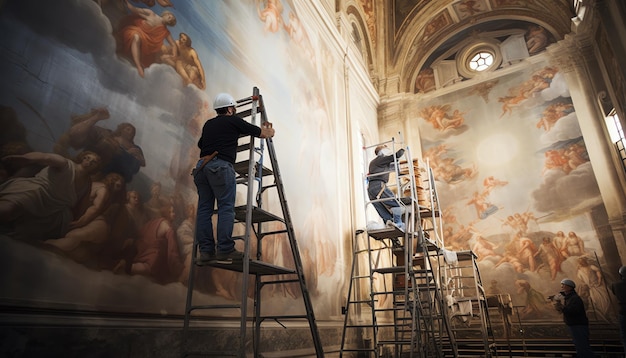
{"x": 404, "y": 37}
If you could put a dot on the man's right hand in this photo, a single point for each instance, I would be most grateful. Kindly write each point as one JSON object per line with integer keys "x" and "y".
{"x": 266, "y": 130}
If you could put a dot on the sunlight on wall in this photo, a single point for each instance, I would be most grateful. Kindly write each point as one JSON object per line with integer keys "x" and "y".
{"x": 497, "y": 149}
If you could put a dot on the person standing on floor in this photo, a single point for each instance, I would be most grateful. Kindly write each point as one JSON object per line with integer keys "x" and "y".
{"x": 215, "y": 178}
{"x": 573, "y": 309}
{"x": 377, "y": 186}
{"x": 619, "y": 290}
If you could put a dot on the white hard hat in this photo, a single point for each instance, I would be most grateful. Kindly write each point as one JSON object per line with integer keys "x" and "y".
{"x": 223, "y": 100}
{"x": 568, "y": 282}
{"x": 622, "y": 272}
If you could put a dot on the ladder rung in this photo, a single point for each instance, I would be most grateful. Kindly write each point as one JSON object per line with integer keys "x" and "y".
{"x": 211, "y": 354}
{"x": 210, "y": 307}
{"x": 359, "y": 325}
{"x": 273, "y": 282}
{"x": 384, "y": 342}
{"x": 393, "y": 269}
{"x": 246, "y": 113}
{"x": 361, "y": 301}
{"x": 258, "y": 215}
{"x": 389, "y": 309}
{"x": 345, "y": 349}
{"x": 278, "y": 317}
{"x": 293, "y": 353}
{"x": 268, "y": 233}
{"x": 386, "y": 233}
{"x": 243, "y": 147}
{"x": 386, "y": 325}
{"x": 256, "y": 267}
{"x": 427, "y": 213}
{"x": 468, "y": 298}
{"x": 242, "y": 168}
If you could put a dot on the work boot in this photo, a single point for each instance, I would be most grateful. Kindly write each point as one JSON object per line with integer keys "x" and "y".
{"x": 400, "y": 226}
{"x": 229, "y": 257}
{"x": 205, "y": 258}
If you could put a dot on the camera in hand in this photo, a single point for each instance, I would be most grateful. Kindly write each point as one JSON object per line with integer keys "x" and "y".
{"x": 558, "y": 297}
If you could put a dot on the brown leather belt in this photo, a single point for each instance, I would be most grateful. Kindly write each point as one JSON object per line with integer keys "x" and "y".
{"x": 205, "y": 160}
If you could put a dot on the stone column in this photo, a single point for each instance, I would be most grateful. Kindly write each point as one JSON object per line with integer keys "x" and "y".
{"x": 575, "y": 58}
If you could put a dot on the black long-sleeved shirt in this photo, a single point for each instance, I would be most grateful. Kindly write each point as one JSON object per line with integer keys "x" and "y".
{"x": 221, "y": 134}
{"x": 574, "y": 310}
{"x": 619, "y": 290}
{"x": 380, "y": 164}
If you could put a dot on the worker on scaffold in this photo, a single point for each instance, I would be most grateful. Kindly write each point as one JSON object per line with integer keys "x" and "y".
{"x": 389, "y": 210}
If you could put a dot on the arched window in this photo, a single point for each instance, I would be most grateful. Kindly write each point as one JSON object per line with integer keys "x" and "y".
{"x": 616, "y": 133}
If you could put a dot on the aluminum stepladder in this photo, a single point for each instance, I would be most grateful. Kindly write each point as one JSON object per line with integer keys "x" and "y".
{"x": 412, "y": 330}
{"x": 254, "y": 215}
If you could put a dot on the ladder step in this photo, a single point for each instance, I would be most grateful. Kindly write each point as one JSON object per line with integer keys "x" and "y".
{"x": 400, "y": 309}
{"x": 469, "y": 298}
{"x": 361, "y": 301}
{"x": 256, "y": 267}
{"x": 387, "y": 325}
{"x": 258, "y": 215}
{"x": 278, "y": 317}
{"x": 211, "y": 307}
{"x": 359, "y": 325}
{"x": 425, "y": 212}
{"x": 294, "y": 353}
{"x": 211, "y": 354}
{"x": 393, "y": 269}
{"x": 360, "y": 277}
{"x": 242, "y": 168}
{"x": 386, "y": 233}
{"x": 274, "y": 282}
{"x": 246, "y": 113}
{"x": 385, "y": 342}
{"x": 418, "y": 273}
{"x": 243, "y": 147}
{"x": 346, "y": 349}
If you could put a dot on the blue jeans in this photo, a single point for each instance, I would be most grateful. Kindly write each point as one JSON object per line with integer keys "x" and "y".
{"x": 383, "y": 207}
{"x": 216, "y": 182}
{"x": 580, "y": 336}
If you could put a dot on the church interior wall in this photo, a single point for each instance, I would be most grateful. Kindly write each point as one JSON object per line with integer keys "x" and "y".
{"x": 507, "y": 152}
{"x": 70, "y": 80}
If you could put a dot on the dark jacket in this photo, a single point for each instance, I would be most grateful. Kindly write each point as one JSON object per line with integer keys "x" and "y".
{"x": 380, "y": 165}
{"x": 619, "y": 290}
{"x": 574, "y": 310}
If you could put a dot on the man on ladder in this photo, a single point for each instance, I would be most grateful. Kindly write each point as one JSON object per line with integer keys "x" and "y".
{"x": 377, "y": 186}
{"x": 215, "y": 178}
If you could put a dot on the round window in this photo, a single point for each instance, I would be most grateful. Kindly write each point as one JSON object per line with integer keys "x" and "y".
{"x": 481, "y": 61}
{"x": 478, "y": 57}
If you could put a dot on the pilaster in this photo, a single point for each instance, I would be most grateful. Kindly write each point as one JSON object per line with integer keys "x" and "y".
{"x": 575, "y": 58}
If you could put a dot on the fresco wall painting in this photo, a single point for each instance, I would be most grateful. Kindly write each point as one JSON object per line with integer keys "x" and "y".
{"x": 130, "y": 83}
{"x": 517, "y": 188}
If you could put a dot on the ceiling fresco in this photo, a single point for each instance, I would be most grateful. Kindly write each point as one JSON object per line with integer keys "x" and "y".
{"x": 418, "y": 31}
